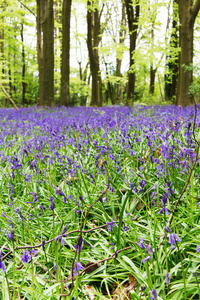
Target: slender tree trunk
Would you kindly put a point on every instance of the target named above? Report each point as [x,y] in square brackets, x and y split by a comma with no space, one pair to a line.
[93,40]
[133,12]
[24,102]
[187,16]
[57,39]
[10,74]
[122,33]
[4,102]
[175,39]
[152,79]
[65,64]
[45,44]
[152,69]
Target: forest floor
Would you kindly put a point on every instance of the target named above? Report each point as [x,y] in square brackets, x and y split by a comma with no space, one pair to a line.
[100,203]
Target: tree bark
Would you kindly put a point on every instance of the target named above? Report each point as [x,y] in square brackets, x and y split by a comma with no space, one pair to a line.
[152,79]
[45,45]
[65,63]
[122,34]
[93,40]
[24,101]
[187,16]
[133,13]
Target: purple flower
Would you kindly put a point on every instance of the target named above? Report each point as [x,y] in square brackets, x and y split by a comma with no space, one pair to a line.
[55,267]
[113,245]
[26,256]
[52,206]
[154,294]
[195,275]
[153,195]
[78,267]
[150,250]
[141,245]
[125,228]
[18,211]
[198,249]
[167,229]
[3,214]
[111,225]
[34,252]
[2,266]
[172,238]
[147,258]
[167,278]
[11,235]
[35,198]
[79,244]
[164,209]
[59,238]
[64,229]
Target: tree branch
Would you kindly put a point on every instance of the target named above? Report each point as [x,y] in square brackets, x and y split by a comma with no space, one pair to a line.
[9,97]
[194,11]
[27,8]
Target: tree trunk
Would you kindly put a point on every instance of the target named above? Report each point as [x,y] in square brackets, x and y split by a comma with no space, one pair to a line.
[122,34]
[65,64]
[187,16]
[10,75]
[133,12]
[93,39]
[4,101]
[24,102]
[176,61]
[45,44]
[152,79]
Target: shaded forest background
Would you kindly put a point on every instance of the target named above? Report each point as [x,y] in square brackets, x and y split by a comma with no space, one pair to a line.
[137,51]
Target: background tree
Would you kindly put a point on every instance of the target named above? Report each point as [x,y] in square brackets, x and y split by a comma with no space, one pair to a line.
[45,44]
[93,40]
[133,13]
[172,60]
[187,15]
[65,63]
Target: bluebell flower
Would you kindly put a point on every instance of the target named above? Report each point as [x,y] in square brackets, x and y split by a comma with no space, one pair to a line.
[11,235]
[26,256]
[78,267]
[35,198]
[167,279]
[18,211]
[79,244]
[141,245]
[111,225]
[113,245]
[2,266]
[154,294]
[172,238]
[52,206]
[150,250]
[198,249]
[35,252]
[125,228]
[146,258]
[167,229]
